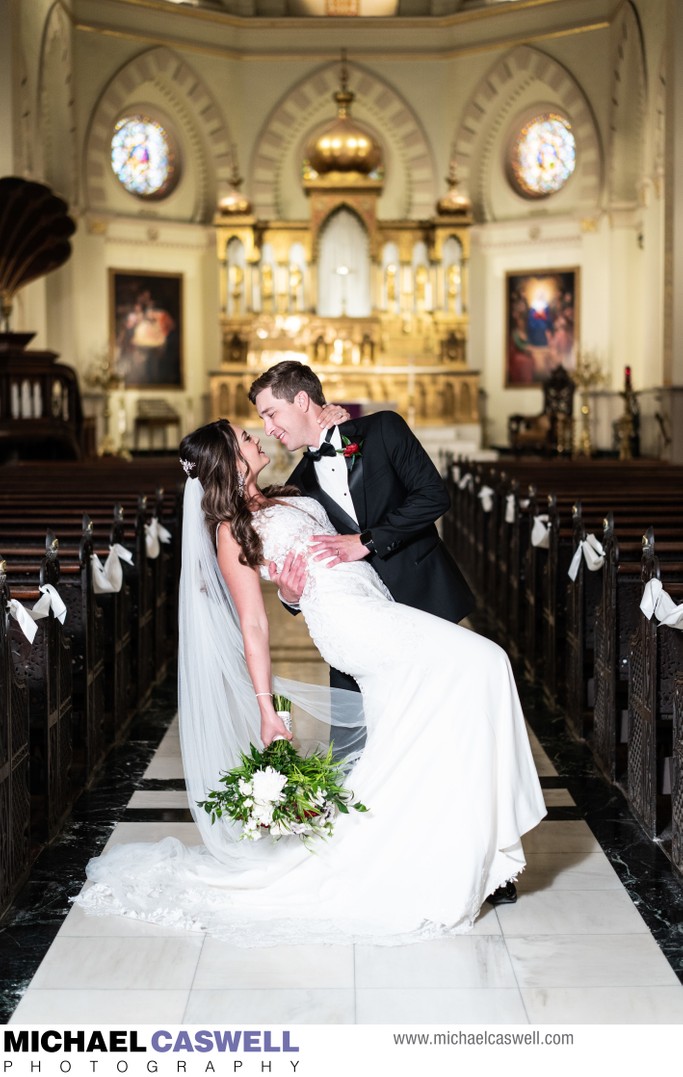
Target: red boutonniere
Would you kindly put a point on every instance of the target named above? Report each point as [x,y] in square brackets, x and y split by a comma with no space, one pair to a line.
[350,450]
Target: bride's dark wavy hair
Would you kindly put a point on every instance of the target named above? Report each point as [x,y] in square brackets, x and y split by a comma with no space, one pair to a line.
[213,451]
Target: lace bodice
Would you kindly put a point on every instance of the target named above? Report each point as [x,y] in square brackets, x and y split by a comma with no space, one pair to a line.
[331,596]
[289,525]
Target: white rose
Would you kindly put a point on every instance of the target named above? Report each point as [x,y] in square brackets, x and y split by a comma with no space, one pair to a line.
[244,787]
[263,814]
[268,785]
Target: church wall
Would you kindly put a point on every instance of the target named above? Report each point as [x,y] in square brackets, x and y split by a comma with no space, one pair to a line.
[507,247]
[25,31]
[248,69]
[129,246]
[8,118]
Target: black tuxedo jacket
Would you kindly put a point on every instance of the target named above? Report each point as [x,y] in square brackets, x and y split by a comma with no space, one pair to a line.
[398,494]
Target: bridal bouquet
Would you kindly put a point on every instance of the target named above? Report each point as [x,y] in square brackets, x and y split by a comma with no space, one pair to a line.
[278,792]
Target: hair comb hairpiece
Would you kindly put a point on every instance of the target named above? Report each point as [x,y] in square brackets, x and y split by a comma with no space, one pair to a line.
[187,466]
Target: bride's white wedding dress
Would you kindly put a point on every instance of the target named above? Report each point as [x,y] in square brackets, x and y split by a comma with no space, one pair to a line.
[447,775]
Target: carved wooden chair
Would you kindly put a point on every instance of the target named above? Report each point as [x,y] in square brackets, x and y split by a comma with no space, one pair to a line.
[550,432]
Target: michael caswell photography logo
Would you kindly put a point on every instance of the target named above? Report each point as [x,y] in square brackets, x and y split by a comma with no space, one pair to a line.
[48,1051]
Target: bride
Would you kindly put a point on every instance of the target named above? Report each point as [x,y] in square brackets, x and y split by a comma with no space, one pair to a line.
[446,770]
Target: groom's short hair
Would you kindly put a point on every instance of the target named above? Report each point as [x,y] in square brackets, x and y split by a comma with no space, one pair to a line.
[286,379]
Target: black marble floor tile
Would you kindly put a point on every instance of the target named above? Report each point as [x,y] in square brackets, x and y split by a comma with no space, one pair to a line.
[157,815]
[559,812]
[162,784]
[550,781]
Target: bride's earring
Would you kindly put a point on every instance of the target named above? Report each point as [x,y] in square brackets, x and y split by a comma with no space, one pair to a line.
[241,480]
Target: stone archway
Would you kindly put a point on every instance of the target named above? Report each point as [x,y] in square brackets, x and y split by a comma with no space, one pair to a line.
[515,77]
[309,104]
[187,99]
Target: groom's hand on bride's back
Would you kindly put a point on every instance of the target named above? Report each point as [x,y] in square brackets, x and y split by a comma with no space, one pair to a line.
[291,578]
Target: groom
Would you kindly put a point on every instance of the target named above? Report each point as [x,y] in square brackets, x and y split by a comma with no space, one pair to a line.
[381,492]
[379,488]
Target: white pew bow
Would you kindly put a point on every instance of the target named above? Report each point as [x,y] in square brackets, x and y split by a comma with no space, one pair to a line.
[510,507]
[26,619]
[486,497]
[26,623]
[657,602]
[108,577]
[540,532]
[593,554]
[155,533]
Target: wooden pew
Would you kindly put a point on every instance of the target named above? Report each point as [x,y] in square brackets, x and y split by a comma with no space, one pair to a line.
[83,626]
[153,588]
[76,681]
[15,798]
[576,605]
[677,776]
[655,661]
[594,624]
[615,617]
[546,644]
[45,667]
[615,622]
[513,572]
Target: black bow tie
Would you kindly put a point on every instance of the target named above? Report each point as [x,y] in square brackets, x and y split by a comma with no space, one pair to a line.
[325,450]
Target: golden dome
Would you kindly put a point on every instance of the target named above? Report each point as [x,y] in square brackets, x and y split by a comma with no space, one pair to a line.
[344,146]
[453,201]
[234,203]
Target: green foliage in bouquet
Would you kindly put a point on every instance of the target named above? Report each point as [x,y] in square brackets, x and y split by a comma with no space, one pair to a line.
[277,791]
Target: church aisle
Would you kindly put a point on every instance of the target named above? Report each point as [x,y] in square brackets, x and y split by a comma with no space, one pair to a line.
[574,949]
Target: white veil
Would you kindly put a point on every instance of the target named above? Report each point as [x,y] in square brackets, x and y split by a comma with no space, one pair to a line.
[218,712]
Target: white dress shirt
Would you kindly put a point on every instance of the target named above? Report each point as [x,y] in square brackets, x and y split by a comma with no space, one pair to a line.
[333,474]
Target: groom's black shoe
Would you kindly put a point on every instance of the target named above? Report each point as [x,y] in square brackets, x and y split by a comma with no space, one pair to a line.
[504,895]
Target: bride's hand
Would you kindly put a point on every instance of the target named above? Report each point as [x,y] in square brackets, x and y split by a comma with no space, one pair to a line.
[332,415]
[272,726]
[291,580]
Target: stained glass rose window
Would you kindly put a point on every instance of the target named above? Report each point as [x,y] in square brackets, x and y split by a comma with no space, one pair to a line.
[143,158]
[542,156]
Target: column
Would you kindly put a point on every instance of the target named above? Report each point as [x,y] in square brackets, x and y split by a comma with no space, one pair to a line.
[10,104]
[673,232]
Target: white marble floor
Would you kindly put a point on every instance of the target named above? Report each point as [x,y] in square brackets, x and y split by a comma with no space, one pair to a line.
[573,949]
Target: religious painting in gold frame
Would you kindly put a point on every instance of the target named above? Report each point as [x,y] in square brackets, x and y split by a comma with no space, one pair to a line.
[542,328]
[146,325]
